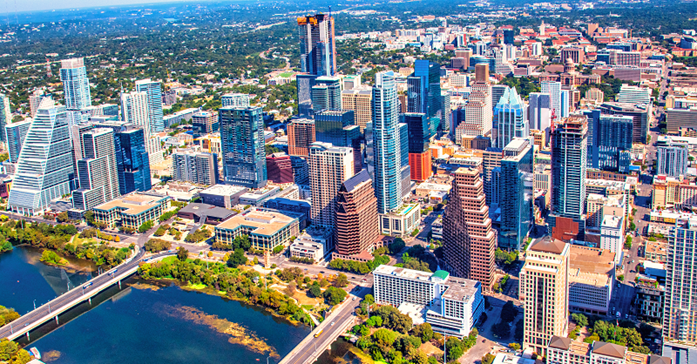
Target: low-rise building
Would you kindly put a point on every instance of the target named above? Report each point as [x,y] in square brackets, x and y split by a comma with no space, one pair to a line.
[425,189]
[267,229]
[656,251]
[451,305]
[591,279]
[437,229]
[257,196]
[226,196]
[649,300]
[314,243]
[562,350]
[401,222]
[132,210]
[210,214]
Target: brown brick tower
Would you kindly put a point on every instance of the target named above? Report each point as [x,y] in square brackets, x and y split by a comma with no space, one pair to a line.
[468,240]
[356,215]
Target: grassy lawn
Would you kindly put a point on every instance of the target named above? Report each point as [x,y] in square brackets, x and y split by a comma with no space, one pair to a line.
[196,286]
[169,260]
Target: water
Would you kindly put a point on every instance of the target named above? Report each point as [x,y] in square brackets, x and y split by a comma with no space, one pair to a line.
[146,323]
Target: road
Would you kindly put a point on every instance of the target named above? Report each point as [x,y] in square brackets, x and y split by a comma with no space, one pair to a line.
[310,348]
[62,302]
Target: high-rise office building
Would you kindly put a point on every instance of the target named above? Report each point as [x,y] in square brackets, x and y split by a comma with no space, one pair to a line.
[497,92]
[279,168]
[672,159]
[301,170]
[76,85]
[641,114]
[387,143]
[544,290]
[133,160]
[35,100]
[359,100]
[540,111]
[235,99]
[569,154]
[330,166]
[515,186]
[405,169]
[97,170]
[204,122]
[326,93]
[559,101]
[491,159]
[356,215]
[424,93]
[481,73]
[242,139]
[301,133]
[154,91]
[510,118]
[5,115]
[14,137]
[330,127]
[418,142]
[468,240]
[609,141]
[317,47]
[135,109]
[478,115]
[195,167]
[680,307]
[43,174]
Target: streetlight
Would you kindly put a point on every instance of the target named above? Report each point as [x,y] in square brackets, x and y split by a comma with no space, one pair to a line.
[35,303]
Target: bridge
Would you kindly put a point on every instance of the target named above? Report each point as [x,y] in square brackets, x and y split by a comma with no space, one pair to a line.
[333,326]
[51,310]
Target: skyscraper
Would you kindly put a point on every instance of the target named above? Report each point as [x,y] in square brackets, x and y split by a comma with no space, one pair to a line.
[359,100]
[135,109]
[326,93]
[680,308]
[609,141]
[76,85]
[560,109]
[510,118]
[43,174]
[330,166]
[418,141]
[330,124]
[133,160]
[491,160]
[405,169]
[569,150]
[515,186]
[235,99]
[317,47]
[424,93]
[242,139]
[154,91]
[387,143]
[14,137]
[279,168]
[544,290]
[301,133]
[672,159]
[540,111]
[5,115]
[356,215]
[481,73]
[195,167]
[97,170]
[468,240]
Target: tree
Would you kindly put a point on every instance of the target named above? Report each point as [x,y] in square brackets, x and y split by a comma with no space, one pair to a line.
[454,348]
[143,228]
[341,280]
[315,290]
[488,358]
[580,319]
[628,241]
[501,329]
[334,295]
[160,231]
[62,217]
[396,246]
[514,346]
[369,299]
[423,331]
[182,254]
[237,258]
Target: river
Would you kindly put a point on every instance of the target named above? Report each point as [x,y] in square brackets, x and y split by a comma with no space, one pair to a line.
[144,322]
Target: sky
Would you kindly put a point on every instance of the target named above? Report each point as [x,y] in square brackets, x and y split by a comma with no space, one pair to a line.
[11,6]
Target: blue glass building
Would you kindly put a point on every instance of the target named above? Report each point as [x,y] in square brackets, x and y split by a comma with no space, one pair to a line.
[387,145]
[154,91]
[515,188]
[242,144]
[510,118]
[609,141]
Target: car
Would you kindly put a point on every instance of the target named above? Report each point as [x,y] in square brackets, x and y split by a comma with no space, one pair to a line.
[354,298]
[332,324]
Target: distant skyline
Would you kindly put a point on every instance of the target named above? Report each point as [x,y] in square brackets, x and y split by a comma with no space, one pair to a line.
[10,7]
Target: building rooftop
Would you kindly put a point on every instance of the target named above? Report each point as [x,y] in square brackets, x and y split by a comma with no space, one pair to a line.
[559,342]
[548,245]
[608,349]
[353,182]
[612,221]
[459,289]
[132,204]
[202,209]
[591,266]
[261,221]
[226,190]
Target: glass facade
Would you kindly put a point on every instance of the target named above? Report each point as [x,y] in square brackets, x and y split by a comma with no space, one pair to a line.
[154,91]
[76,85]
[242,141]
[386,143]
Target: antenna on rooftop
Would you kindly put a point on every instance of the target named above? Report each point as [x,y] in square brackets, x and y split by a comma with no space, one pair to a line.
[330,11]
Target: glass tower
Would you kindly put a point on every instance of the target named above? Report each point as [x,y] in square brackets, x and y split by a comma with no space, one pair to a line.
[242,139]
[387,145]
[154,91]
[515,187]
[76,85]
[45,165]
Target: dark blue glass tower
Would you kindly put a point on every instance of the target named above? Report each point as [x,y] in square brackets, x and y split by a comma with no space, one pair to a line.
[242,142]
